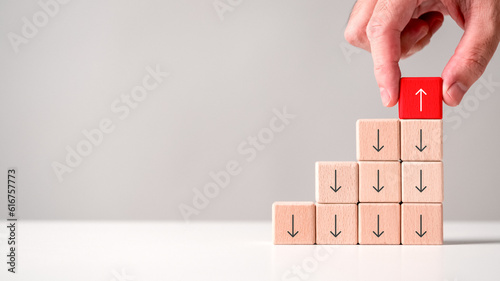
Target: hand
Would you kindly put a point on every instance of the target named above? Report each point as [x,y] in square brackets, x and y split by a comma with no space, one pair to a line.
[395,29]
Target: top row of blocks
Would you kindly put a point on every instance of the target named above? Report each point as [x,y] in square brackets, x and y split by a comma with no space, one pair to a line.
[392,140]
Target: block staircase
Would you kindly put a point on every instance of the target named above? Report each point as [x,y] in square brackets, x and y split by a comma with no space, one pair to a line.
[392,195]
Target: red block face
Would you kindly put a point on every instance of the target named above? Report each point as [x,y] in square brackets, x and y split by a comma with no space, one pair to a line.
[421,98]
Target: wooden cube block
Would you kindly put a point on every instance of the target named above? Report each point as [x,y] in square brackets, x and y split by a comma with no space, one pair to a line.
[422,182]
[379,223]
[336,224]
[422,140]
[421,98]
[422,224]
[379,181]
[337,182]
[377,139]
[294,223]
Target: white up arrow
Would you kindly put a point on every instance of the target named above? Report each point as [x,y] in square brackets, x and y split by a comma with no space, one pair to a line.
[421,92]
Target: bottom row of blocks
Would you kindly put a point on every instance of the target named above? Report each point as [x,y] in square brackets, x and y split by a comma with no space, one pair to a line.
[363,223]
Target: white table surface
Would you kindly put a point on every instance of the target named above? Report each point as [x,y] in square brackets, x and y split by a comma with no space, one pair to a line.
[88,250]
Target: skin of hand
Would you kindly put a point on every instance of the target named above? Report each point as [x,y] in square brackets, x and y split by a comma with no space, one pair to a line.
[395,29]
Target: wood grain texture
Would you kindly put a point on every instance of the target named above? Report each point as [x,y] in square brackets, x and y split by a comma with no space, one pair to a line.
[422,182]
[377,139]
[336,224]
[379,223]
[337,182]
[426,105]
[431,148]
[304,223]
[382,176]
[432,224]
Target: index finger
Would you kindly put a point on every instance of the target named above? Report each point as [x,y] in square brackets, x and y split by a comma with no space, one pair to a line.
[384,32]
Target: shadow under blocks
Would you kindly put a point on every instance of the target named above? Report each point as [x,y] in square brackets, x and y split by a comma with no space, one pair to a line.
[392,194]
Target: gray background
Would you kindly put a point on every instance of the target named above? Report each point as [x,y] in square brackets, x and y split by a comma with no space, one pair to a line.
[227,76]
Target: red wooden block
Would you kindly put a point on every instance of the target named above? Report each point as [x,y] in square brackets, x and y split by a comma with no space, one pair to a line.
[421,98]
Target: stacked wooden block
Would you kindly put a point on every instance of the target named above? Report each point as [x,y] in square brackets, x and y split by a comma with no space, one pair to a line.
[392,195]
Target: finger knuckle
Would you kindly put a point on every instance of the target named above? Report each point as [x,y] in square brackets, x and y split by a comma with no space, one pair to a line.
[380,21]
[375,29]
[381,68]
[353,36]
[378,28]
[476,61]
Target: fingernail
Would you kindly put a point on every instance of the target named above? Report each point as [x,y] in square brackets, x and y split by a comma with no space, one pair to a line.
[386,99]
[456,92]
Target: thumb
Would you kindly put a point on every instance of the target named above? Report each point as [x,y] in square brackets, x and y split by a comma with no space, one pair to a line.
[472,55]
